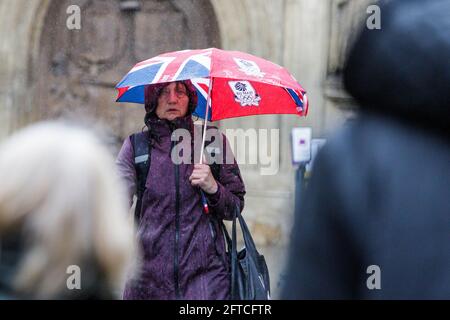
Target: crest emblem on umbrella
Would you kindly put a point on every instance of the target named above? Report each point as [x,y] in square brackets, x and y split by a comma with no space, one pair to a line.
[244,93]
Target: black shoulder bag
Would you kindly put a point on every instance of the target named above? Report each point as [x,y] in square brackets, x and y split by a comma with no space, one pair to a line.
[249,273]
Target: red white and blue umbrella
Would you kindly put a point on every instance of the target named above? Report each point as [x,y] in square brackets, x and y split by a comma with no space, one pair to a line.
[238,84]
[231,83]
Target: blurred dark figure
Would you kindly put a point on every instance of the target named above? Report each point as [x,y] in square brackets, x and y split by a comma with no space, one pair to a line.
[380,191]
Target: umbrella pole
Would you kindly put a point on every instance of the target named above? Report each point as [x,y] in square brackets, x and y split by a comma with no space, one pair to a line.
[208,101]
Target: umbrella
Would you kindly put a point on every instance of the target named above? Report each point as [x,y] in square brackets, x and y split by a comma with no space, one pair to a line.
[229,83]
[242,84]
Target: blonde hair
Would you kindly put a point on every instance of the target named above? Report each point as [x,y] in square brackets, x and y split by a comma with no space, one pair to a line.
[59,184]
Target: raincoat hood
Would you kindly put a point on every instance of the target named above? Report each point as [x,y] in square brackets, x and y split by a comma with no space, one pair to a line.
[404,68]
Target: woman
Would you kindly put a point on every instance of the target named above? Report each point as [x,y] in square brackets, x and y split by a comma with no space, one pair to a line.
[64,233]
[183,258]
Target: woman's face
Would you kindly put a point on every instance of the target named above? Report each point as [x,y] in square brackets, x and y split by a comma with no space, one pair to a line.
[172,101]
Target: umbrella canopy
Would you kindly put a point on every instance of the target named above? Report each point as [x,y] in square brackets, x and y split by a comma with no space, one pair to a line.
[229,83]
[237,84]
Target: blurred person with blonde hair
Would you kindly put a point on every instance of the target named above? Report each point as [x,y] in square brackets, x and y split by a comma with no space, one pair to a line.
[61,208]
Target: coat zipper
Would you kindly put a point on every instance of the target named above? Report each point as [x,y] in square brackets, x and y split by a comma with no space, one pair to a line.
[177,228]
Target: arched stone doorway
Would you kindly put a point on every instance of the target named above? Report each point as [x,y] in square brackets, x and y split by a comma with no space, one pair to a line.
[77,70]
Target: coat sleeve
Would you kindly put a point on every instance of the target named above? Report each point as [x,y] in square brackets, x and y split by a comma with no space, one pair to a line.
[231,189]
[126,170]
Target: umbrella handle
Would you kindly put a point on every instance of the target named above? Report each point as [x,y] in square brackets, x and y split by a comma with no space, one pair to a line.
[204,202]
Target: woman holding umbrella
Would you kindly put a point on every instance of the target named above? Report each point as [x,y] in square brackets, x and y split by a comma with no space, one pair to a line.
[182,256]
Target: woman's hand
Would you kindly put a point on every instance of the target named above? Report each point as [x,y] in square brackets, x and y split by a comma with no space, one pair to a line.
[202,177]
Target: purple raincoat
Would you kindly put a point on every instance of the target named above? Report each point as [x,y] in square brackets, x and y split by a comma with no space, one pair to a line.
[180,258]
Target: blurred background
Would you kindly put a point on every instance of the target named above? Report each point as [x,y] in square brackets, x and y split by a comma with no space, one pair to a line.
[48,71]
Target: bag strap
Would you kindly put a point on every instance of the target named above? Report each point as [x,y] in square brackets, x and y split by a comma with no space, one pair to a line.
[142,158]
[248,239]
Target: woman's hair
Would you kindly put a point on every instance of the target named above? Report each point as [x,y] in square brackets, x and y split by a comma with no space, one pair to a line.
[60,189]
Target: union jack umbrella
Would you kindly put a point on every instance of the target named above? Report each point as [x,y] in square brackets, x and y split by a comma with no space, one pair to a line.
[231,83]
[237,84]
